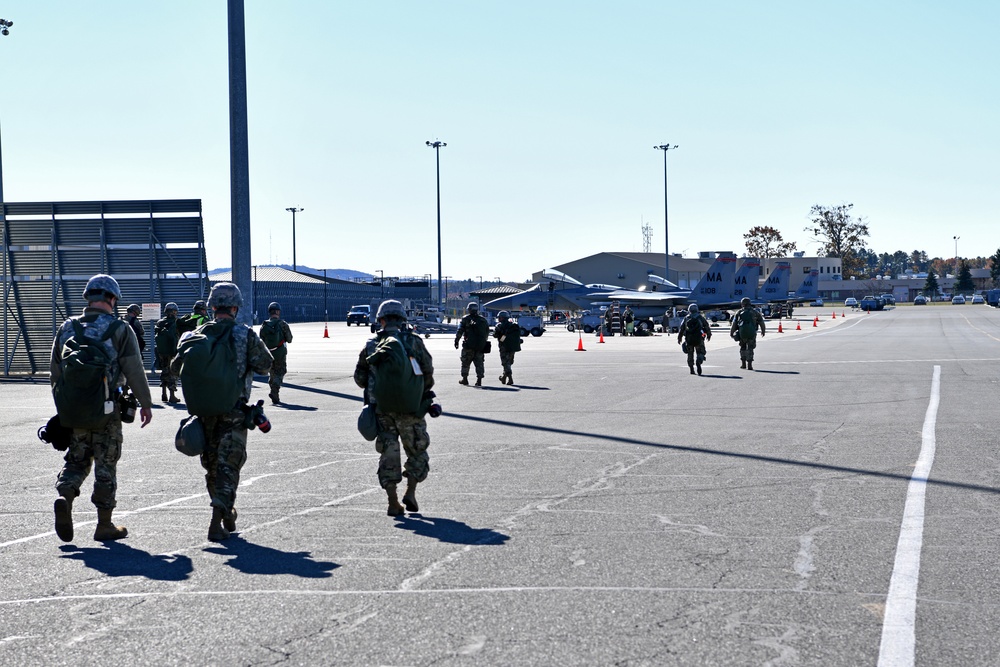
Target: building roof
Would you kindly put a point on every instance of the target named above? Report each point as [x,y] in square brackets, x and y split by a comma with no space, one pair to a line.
[495,291]
[271,274]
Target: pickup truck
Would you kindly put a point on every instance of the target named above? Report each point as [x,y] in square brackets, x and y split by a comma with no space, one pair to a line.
[871,303]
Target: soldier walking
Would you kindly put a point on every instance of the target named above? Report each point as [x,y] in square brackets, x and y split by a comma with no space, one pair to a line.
[95,444]
[194,319]
[276,334]
[373,373]
[226,435]
[474,332]
[744,329]
[132,316]
[165,338]
[508,335]
[694,331]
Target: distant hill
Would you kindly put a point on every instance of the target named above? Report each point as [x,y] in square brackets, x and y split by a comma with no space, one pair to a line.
[341,274]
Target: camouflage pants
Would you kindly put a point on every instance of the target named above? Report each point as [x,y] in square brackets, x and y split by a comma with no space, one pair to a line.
[224,456]
[700,350]
[101,448]
[412,430]
[507,360]
[469,357]
[167,379]
[747,346]
[277,374]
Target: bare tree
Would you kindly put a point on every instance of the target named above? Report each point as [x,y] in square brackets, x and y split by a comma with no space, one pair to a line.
[841,234]
[764,242]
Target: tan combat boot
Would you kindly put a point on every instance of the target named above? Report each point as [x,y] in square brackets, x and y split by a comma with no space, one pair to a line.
[216,531]
[410,497]
[106,530]
[395,509]
[64,517]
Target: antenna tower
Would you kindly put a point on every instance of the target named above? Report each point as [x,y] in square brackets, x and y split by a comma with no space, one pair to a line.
[647,237]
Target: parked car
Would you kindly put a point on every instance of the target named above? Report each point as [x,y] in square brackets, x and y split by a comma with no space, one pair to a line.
[920,300]
[978,298]
[817,302]
[957,300]
[359,315]
[888,299]
[850,302]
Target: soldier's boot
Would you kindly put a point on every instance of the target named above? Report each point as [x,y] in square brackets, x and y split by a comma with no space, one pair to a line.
[743,363]
[64,516]
[503,379]
[479,382]
[510,379]
[229,520]
[699,368]
[173,397]
[163,395]
[274,397]
[395,509]
[749,365]
[106,530]
[410,497]
[216,531]
[464,380]
[691,368]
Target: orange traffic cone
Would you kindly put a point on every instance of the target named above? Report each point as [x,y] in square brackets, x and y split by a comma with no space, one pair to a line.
[816,322]
[779,328]
[601,339]
[326,333]
[842,314]
[835,315]
[579,346]
[798,327]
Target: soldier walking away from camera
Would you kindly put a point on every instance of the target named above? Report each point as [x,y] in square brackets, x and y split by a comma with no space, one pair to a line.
[508,335]
[474,332]
[694,332]
[226,434]
[744,329]
[194,319]
[133,316]
[401,397]
[165,338]
[276,334]
[98,348]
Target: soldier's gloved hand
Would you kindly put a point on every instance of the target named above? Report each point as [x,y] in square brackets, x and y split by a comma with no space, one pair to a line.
[762,334]
[456,344]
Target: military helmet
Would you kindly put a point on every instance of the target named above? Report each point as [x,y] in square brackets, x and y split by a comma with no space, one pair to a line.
[199,305]
[170,306]
[190,438]
[693,309]
[745,302]
[503,315]
[134,309]
[390,308]
[274,305]
[473,307]
[100,287]
[225,295]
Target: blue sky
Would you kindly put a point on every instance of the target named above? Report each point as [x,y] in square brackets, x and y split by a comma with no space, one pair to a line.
[550,111]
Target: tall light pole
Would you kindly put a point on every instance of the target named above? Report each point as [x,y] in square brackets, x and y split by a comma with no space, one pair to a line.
[294,210]
[956,248]
[666,226]
[437,146]
[4,25]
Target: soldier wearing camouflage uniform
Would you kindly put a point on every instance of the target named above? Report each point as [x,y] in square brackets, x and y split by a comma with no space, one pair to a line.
[508,335]
[744,329]
[132,317]
[226,435]
[166,330]
[194,319]
[694,331]
[276,332]
[99,448]
[474,332]
[393,427]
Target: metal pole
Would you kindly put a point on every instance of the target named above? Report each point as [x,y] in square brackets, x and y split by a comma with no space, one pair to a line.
[239,157]
[437,145]
[294,209]
[666,223]
[4,24]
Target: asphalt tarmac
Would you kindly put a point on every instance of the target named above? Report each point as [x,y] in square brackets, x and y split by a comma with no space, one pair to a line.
[837,506]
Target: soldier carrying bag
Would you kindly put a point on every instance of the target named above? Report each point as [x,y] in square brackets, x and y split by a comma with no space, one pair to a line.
[82,392]
[399,382]
[209,378]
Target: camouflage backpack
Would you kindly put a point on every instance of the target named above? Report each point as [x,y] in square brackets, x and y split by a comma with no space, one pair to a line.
[165,337]
[398,388]
[210,380]
[693,329]
[273,337]
[746,323]
[83,390]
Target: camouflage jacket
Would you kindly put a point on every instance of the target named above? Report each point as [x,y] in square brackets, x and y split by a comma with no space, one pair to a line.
[127,367]
[473,331]
[366,380]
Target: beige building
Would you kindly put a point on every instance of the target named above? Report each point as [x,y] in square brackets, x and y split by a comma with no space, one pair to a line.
[631,270]
[829,268]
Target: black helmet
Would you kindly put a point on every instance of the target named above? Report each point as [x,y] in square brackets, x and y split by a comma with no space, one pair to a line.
[503,315]
[170,306]
[274,305]
[190,438]
[693,309]
[100,287]
[199,305]
[134,309]
[745,302]
[473,307]
[225,295]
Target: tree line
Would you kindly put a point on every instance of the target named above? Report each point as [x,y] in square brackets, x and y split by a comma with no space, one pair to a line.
[842,234]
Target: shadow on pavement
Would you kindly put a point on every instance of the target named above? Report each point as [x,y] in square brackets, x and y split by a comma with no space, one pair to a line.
[449,530]
[250,558]
[292,407]
[528,386]
[777,372]
[117,559]
[722,377]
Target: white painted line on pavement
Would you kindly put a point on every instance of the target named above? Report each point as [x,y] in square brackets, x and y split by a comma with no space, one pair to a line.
[899,627]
